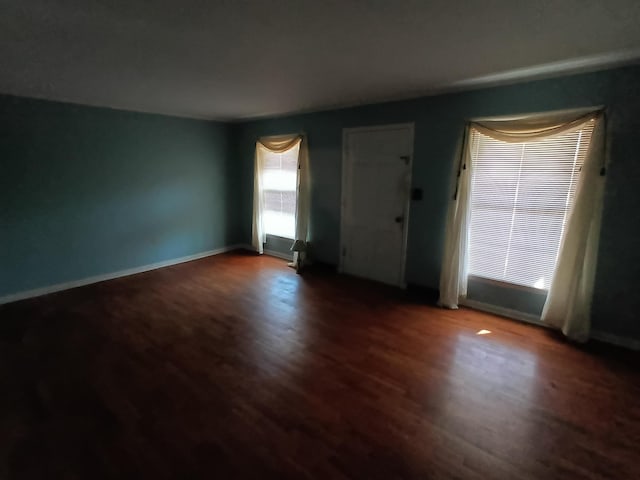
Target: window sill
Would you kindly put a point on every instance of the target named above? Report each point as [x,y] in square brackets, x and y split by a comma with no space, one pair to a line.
[278,237]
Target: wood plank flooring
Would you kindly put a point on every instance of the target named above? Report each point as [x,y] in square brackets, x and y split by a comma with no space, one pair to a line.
[235,367]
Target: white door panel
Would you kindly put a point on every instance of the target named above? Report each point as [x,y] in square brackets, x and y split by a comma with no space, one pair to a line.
[376,183]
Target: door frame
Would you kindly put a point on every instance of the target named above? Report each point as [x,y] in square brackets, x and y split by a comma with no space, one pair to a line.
[410,127]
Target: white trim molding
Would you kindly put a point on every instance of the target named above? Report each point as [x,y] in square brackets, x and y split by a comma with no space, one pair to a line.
[590,63]
[58,287]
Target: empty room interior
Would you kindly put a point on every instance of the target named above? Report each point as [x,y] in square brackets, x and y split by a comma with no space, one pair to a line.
[320,239]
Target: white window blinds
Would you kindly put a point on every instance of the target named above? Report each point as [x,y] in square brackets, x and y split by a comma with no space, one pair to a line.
[279,185]
[521,195]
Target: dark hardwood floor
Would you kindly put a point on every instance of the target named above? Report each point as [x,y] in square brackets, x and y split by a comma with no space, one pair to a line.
[235,367]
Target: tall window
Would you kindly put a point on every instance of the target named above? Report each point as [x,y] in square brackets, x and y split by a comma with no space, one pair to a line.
[279,186]
[521,194]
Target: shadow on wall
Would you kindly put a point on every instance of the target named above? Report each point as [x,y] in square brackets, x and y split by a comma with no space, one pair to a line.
[89,191]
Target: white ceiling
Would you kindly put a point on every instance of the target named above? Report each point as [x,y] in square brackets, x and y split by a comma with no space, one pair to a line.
[225,59]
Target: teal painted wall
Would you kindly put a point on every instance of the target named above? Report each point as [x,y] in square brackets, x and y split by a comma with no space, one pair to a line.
[87,191]
[439,122]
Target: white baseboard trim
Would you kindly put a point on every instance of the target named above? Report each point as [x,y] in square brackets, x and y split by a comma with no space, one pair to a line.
[605,337]
[630,343]
[37,292]
[284,256]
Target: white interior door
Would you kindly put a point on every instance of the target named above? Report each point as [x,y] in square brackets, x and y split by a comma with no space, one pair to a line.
[375,201]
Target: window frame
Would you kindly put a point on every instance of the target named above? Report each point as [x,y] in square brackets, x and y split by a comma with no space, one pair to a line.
[295,190]
[503,283]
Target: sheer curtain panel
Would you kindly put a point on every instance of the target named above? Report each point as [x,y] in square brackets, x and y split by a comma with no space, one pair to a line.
[453,277]
[568,305]
[281,144]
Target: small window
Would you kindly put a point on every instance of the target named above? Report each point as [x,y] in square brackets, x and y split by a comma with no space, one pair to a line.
[521,194]
[279,186]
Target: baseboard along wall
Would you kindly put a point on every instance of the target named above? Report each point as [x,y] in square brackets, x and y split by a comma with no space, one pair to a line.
[58,287]
[600,336]
[625,342]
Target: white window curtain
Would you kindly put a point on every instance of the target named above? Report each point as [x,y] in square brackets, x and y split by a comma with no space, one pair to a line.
[568,305]
[282,144]
[453,278]
[568,302]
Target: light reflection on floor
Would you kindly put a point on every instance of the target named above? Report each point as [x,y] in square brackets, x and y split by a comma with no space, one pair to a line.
[280,341]
[491,364]
[491,393]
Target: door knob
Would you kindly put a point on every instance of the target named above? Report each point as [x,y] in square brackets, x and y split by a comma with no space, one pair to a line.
[399,219]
